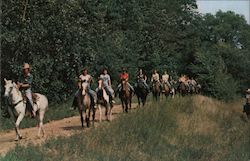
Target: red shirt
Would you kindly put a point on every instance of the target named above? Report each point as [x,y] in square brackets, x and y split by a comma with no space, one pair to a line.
[124,76]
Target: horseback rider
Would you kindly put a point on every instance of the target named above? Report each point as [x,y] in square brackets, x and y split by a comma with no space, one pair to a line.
[25,84]
[107,83]
[141,77]
[183,79]
[85,77]
[165,79]
[124,76]
[155,77]
[193,82]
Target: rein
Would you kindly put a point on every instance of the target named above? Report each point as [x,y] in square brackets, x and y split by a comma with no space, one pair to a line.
[14,105]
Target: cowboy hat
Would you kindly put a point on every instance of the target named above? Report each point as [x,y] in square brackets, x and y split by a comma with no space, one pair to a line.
[26,66]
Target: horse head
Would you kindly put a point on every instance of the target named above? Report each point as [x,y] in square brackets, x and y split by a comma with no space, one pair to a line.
[9,86]
[124,85]
[85,86]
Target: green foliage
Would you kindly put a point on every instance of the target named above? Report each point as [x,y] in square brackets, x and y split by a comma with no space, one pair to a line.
[190,128]
[212,73]
[58,38]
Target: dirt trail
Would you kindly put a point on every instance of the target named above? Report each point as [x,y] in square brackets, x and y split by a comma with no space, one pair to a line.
[65,127]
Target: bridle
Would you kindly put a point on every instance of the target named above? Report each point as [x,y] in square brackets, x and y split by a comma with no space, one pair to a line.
[10,94]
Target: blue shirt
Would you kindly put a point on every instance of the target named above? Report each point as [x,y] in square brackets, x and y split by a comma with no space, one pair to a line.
[26,80]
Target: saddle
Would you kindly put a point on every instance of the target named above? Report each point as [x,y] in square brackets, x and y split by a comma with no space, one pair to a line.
[35,98]
[100,96]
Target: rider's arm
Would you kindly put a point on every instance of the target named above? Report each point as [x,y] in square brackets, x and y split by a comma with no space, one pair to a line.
[26,84]
[109,81]
[158,77]
[90,80]
[145,77]
[79,83]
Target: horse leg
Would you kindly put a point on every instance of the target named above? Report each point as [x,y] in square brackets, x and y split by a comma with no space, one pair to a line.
[107,107]
[122,105]
[110,112]
[41,117]
[18,121]
[93,115]
[130,102]
[139,101]
[100,112]
[82,117]
[126,106]
[87,116]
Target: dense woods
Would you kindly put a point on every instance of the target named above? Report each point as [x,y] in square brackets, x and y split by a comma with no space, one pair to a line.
[59,37]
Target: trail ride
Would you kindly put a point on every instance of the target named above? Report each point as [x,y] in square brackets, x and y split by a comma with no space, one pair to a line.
[18,108]
[125,80]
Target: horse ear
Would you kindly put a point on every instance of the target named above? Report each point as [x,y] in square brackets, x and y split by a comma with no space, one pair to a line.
[5,80]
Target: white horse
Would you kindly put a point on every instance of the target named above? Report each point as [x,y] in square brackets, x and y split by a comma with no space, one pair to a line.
[103,101]
[18,106]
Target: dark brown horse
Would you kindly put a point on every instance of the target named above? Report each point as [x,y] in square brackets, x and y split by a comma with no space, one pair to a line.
[156,90]
[141,93]
[183,89]
[125,96]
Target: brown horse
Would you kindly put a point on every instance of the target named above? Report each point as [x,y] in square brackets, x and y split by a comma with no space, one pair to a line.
[84,104]
[125,96]
[141,93]
[165,90]
[182,88]
[156,90]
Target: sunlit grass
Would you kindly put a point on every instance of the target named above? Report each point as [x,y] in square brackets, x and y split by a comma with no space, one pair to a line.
[182,129]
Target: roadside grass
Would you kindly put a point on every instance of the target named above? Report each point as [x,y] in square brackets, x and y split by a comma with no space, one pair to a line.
[182,129]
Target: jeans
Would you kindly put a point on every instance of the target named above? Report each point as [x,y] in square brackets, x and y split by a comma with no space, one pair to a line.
[28,94]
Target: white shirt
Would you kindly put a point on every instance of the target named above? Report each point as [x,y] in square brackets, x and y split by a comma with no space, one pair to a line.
[165,78]
[155,77]
[86,78]
[106,79]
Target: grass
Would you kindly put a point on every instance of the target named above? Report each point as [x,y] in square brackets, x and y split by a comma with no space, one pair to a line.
[183,129]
